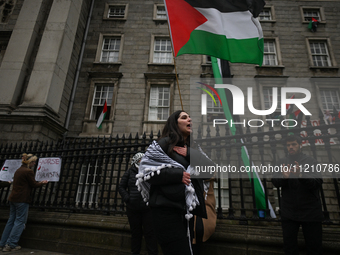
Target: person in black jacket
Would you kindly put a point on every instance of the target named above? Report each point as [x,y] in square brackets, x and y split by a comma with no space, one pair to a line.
[174,195]
[139,214]
[300,203]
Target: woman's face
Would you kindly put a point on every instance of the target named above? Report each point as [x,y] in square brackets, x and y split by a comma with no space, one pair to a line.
[184,124]
[31,164]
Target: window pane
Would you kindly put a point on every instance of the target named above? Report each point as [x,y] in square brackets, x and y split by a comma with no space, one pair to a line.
[330,98]
[212,107]
[310,13]
[110,50]
[265,14]
[268,98]
[101,93]
[159,104]
[320,54]
[269,56]
[162,51]
[116,12]
[161,13]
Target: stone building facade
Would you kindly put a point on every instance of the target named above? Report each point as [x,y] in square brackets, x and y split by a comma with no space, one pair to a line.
[54,79]
[60,61]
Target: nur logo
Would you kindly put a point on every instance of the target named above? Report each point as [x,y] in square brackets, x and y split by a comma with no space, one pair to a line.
[238,99]
[204,97]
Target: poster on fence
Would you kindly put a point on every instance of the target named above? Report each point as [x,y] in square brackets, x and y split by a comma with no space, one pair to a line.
[317,132]
[48,169]
[8,169]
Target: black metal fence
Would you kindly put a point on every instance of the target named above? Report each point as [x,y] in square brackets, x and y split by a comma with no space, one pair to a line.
[92,167]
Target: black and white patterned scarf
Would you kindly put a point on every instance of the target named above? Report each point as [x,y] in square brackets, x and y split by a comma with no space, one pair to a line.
[154,160]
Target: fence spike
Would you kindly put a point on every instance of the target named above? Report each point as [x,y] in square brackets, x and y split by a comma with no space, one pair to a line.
[151,136]
[208,132]
[199,132]
[217,131]
[321,117]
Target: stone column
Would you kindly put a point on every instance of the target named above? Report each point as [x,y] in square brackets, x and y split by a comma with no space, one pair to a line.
[17,55]
[46,85]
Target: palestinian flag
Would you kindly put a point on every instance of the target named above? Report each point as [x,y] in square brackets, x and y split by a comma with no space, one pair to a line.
[289,107]
[223,29]
[336,113]
[260,197]
[313,24]
[297,115]
[102,116]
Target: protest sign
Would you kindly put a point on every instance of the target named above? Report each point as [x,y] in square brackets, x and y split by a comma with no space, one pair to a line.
[8,169]
[48,169]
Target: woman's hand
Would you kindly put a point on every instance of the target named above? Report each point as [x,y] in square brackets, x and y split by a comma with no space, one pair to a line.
[181,150]
[186,178]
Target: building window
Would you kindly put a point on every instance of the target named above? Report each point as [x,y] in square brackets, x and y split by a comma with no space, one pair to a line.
[162,51]
[214,111]
[160,12]
[212,107]
[270,55]
[6,9]
[330,99]
[110,49]
[101,93]
[118,12]
[308,14]
[159,103]
[268,98]
[268,101]
[224,192]
[319,53]
[266,14]
[87,184]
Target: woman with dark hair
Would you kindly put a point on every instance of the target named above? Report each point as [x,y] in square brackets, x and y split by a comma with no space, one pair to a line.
[166,182]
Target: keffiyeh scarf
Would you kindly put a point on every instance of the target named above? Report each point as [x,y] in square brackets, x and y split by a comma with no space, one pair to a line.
[154,160]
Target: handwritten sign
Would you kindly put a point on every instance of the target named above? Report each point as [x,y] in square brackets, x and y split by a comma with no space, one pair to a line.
[48,169]
[8,169]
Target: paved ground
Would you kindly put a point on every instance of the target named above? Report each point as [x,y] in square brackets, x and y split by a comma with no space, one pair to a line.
[32,251]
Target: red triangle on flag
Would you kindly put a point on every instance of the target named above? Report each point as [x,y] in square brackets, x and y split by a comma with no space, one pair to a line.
[105,107]
[288,105]
[314,20]
[296,113]
[183,19]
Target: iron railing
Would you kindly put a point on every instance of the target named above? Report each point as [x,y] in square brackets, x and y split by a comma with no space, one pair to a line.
[92,167]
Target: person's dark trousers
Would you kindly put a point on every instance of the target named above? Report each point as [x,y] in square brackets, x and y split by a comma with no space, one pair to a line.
[199,232]
[171,230]
[141,223]
[312,232]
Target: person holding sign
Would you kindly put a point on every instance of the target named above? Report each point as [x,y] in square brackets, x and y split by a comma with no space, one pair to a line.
[19,199]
